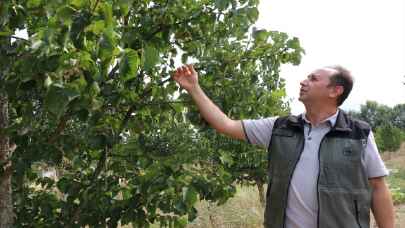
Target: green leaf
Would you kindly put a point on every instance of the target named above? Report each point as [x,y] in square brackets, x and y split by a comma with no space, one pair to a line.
[108,14]
[97,141]
[129,64]
[58,98]
[94,89]
[63,184]
[190,196]
[85,60]
[192,214]
[151,57]
[253,14]
[126,193]
[107,45]
[78,3]
[80,21]
[222,4]
[79,84]
[96,103]
[226,158]
[294,43]
[260,35]
[178,107]
[125,6]
[6,33]
[97,27]
[180,223]
[65,14]
[47,82]
[33,3]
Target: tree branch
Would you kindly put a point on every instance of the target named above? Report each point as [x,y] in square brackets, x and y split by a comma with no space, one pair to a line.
[61,127]
[14,37]
[100,165]
[167,102]
[19,38]
[95,6]
[113,70]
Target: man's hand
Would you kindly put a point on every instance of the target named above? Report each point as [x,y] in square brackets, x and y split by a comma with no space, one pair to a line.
[186,77]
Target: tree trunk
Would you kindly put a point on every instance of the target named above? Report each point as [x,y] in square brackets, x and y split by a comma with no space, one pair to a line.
[6,205]
[260,187]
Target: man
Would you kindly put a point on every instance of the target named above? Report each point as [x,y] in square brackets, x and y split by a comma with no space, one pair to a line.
[325,170]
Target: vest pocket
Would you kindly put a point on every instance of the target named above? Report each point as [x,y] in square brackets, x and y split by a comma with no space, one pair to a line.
[283,132]
[340,208]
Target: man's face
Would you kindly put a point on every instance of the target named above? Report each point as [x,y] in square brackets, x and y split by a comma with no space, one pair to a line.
[316,86]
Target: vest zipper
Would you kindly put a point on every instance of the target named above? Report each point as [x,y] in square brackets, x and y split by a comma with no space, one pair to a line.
[356,208]
[317,180]
[292,173]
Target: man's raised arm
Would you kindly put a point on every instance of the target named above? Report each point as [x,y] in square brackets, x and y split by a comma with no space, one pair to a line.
[187,78]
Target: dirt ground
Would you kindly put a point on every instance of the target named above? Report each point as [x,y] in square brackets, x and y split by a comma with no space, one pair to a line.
[396,159]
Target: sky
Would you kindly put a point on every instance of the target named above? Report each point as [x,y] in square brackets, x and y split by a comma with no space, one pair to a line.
[365,36]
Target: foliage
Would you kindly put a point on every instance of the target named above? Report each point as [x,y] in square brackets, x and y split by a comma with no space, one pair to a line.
[246,164]
[398,196]
[387,123]
[374,114]
[398,116]
[90,94]
[396,184]
[378,115]
[388,138]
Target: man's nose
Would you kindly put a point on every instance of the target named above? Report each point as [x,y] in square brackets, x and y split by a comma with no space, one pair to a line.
[304,82]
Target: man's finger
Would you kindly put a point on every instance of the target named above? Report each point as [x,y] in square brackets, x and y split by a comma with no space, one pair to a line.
[191,67]
[188,67]
[184,69]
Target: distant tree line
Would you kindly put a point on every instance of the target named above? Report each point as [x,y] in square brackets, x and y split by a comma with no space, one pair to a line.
[388,124]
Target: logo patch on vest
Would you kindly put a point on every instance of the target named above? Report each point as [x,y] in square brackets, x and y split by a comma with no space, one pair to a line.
[347,151]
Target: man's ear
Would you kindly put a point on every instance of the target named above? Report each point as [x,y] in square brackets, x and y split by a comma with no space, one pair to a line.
[337,91]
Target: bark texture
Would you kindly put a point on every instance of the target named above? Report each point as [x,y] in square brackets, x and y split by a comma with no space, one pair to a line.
[6,204]
[260,188]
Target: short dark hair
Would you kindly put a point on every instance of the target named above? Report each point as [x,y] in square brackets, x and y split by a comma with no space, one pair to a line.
[344,78]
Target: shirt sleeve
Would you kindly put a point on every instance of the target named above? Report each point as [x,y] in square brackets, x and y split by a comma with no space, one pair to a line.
[375,166]
[259,131]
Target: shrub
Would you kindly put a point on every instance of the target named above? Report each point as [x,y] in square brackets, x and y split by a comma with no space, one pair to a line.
[388,138]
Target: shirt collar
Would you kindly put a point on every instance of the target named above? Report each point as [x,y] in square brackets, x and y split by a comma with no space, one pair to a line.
[331,119]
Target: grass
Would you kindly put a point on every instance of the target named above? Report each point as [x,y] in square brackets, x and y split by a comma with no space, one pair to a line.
[395,161]
[243,210]
[396,182]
